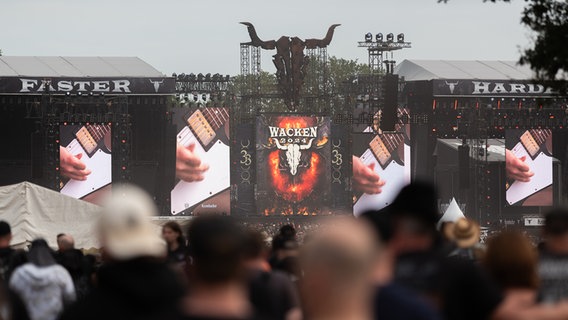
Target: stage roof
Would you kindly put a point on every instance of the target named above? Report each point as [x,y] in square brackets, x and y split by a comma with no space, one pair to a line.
[108,67]
[415,70]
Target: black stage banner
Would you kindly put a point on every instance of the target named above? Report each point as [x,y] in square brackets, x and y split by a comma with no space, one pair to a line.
[111,86]
[492,88]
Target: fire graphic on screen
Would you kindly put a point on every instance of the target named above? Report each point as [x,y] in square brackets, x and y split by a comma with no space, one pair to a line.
[301,186]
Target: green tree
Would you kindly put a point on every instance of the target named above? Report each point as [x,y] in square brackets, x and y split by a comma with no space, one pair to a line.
[336,72]
[548,56]
[341,70]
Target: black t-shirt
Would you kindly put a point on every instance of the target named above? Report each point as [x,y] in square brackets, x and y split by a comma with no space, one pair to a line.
[553,273]
[462,288]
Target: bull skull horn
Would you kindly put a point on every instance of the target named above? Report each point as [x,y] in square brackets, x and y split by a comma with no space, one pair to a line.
[281,147]
[255,40]
[307,146]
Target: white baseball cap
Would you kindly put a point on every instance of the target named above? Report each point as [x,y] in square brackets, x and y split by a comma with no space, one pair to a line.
[125,228]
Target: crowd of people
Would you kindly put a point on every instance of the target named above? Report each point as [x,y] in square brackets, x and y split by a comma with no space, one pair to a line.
[394,263]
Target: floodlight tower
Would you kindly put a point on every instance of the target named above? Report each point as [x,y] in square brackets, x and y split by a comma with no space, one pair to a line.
[378,46]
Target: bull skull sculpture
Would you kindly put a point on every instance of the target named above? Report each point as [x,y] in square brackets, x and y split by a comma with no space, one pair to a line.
[289,60]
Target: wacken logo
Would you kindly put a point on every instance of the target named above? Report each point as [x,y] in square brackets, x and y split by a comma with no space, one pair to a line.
[115,86]
[293,141]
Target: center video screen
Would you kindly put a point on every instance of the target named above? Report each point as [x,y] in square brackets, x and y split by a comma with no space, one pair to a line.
[293,165]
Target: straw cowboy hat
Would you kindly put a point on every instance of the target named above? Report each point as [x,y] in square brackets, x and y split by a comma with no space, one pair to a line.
[464,232]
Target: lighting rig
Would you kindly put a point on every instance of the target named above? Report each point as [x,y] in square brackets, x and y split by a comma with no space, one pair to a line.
[453,118]
[201,89]
[378,46]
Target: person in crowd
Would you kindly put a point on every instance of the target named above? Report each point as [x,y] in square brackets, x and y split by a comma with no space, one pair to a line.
[45,287]
[392,301]
[337,265]
[68,256]
[272,293]
[446,231]
[177,251]
[73,260]
[458,288]
[512,262]
[58,241]
[465,234]
[134,282]
[217,275]
[553,258]
[285,252]
[10,258]
[65,242]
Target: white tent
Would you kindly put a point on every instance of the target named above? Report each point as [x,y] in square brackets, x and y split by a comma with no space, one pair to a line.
[452,214]
[34,211]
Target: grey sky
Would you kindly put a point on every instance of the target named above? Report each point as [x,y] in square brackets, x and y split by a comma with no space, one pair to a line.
[204,36]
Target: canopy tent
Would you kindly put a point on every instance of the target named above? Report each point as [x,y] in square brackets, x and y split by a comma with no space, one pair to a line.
[23,75]
[34,211]
[417,70]
[452,214]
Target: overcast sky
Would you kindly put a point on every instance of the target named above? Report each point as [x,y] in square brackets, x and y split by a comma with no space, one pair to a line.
[204,36]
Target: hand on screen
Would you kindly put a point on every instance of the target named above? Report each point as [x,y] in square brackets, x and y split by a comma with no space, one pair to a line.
[516,168]
[365,178]
[71,166]
[188,164]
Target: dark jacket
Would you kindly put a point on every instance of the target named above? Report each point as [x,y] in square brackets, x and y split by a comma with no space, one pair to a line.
[136,289]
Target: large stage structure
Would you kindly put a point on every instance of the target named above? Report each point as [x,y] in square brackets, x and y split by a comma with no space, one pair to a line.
[302,90]
[109,112]
[467,110]
[284,146]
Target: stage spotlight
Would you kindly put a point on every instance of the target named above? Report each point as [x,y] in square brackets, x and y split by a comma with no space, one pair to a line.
[368,37]
[67,93]
[390,37]
[379,37]
[79,93]
[400,37]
